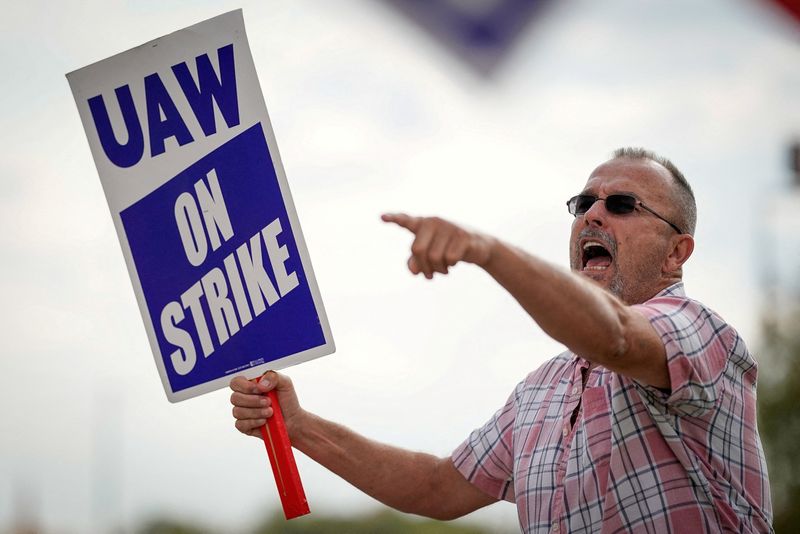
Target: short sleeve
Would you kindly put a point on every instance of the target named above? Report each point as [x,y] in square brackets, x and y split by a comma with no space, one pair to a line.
[697,343]
[486,457]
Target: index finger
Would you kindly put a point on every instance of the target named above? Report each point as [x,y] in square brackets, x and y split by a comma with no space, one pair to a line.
[401,219]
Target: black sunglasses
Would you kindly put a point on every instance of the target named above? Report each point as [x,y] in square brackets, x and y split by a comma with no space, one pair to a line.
[616,204]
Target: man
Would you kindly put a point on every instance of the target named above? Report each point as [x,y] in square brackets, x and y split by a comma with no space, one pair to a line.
[647,423]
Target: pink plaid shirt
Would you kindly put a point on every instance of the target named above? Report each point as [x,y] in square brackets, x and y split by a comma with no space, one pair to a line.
[636,459]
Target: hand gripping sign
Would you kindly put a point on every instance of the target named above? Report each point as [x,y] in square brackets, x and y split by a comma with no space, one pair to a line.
[190,168]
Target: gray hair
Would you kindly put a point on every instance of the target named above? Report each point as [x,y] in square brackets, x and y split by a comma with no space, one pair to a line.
[683,194]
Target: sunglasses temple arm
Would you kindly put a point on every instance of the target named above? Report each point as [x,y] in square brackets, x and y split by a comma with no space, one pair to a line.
[674,227]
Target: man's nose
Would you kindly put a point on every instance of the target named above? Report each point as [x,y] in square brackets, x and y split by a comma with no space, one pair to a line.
[596,214]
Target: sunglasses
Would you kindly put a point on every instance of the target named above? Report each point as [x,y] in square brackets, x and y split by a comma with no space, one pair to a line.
[616,204]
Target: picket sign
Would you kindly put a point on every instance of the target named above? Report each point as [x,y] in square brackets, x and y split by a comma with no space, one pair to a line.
[190,168]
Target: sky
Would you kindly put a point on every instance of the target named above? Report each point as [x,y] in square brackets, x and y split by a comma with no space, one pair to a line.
[371,115]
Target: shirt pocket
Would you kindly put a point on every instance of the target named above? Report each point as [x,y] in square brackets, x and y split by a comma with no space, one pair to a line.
[597,424]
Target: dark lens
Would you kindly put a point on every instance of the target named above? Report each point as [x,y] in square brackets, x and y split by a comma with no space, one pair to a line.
[571,205]
[620,204]
[583,203]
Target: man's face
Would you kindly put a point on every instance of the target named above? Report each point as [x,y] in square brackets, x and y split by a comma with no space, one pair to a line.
[625,253]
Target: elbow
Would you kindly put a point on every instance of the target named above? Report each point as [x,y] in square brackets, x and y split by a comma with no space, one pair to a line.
[432,508]
[622,333]
[436,508]
[436,497]
[451,515]
[612,354]
[619,347]
[442,512]
[617,343]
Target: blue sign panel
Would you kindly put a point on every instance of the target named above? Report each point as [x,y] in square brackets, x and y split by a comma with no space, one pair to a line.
[219,267]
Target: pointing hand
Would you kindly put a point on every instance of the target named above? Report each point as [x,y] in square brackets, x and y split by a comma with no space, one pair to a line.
[440,244]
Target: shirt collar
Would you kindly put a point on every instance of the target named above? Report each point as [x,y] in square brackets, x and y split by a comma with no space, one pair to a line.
[675,290]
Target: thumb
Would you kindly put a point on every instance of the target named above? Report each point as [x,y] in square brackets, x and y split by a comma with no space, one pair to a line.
[272,380]
[268,381]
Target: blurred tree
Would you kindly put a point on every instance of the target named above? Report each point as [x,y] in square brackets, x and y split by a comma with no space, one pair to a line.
[383,522]
[171,526]
[779,416]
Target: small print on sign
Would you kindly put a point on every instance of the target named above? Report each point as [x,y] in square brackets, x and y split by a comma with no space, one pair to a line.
[190,168]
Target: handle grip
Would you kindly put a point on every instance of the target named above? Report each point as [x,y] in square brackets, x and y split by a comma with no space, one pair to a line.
[281,458]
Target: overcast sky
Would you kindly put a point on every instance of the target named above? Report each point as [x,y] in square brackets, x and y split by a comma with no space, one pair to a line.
[371,115]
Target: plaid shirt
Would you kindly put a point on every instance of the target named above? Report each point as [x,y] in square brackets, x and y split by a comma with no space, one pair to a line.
[636,459]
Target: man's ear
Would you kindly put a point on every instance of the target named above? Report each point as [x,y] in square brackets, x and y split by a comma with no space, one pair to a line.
[682,247]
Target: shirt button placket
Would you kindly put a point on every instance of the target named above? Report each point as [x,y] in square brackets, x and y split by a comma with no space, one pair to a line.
[554,528]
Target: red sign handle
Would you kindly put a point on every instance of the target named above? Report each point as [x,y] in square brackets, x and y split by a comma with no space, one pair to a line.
[281,458]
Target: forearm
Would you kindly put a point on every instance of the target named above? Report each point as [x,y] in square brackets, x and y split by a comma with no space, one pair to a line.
[571,309]
[408,481]
[404,480]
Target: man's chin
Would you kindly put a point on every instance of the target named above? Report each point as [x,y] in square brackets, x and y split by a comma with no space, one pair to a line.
[606,279]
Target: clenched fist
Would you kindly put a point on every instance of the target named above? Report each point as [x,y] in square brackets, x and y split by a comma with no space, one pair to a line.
[252,407]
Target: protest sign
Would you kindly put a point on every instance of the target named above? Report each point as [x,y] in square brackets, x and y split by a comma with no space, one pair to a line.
[190,168]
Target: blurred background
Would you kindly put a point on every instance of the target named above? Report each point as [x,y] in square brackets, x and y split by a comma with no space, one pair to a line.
[488,112]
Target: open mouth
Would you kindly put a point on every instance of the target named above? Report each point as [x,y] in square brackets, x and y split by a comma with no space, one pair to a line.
[596,257]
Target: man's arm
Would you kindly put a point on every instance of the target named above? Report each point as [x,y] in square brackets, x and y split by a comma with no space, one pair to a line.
[573,310]
[411,482]
[589,320]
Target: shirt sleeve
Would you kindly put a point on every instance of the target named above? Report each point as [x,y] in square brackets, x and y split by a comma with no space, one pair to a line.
[697,344]
[486,457]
